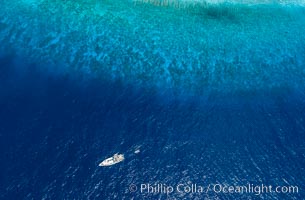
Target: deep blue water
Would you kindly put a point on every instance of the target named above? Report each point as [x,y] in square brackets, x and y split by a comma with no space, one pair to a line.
[55,129]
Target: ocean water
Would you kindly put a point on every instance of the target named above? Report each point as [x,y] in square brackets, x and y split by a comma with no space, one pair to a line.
[210,92]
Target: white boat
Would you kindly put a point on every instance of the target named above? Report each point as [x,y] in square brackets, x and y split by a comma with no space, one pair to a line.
[116,158]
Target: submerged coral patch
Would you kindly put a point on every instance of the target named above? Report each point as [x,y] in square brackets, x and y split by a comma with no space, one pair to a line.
[223,46]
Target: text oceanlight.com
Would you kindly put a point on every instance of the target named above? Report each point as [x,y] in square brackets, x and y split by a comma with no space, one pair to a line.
[214,188]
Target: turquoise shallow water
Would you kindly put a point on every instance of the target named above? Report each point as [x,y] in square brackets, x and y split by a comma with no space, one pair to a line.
[201,47]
